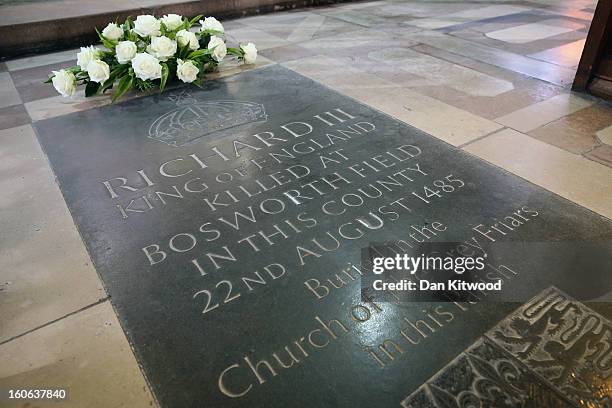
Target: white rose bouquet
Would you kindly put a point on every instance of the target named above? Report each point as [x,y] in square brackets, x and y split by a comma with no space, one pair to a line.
[148,52]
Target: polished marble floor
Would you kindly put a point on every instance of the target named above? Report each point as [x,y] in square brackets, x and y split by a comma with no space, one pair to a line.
[490,77]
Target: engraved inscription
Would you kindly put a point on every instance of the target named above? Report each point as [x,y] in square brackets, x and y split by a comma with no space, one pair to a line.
[484,376]
[565,342]
[552,352]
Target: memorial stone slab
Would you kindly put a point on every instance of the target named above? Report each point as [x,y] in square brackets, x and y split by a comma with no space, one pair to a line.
[227,225]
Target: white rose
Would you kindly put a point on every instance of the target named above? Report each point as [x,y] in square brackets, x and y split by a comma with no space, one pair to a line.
[98,71]
[125,51]
[147,26]
[162,48]
[185,37]
[220,50]
[112,32]
[172,21]
[212,24]
[64,82]
[186,71]
[250,53]
[146,66]
[87,55]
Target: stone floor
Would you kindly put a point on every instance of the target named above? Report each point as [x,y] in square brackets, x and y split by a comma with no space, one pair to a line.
[490,77]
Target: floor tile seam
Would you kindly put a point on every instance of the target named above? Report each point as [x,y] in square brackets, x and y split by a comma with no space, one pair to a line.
[488,48]
[558,195]
[479,138]
[51,322]
[522,75]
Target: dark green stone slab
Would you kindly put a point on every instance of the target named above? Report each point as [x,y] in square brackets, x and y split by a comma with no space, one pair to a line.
[185,352]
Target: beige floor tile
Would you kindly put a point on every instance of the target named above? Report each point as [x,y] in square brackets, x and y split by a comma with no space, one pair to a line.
[541,113]
[457,126]
[360,5]
[605,135]
[481,13]
[511,61]
[59,105]
[567,55]
[563,22]
[423,9]
[279,24]
[40,60]
[231,67]
[306,28]
[338,73]
[45,272]
[576,178]
[8,93]
[573,12]
[423,112]
[487,107]
[601,154]
[521,48]
[357,44]
[432,23]
[298,27]
[440,72]
[259,37]
[576,132]
[87,353]
[472,14]
[527,91]
[527,33]
[357,17]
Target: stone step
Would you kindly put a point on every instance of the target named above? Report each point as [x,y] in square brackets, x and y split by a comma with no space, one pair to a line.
[32,27]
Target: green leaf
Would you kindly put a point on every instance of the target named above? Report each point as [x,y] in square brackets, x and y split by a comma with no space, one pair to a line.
[182,52]
[117,72]
[164,77]
[91,88]
[144,85]
[204,40]
[200,53]
[81,75]
[125,84]
[132,36]
[108,84]
[129,24]
[199,82]
[195,20]
[235,51]
[212,32]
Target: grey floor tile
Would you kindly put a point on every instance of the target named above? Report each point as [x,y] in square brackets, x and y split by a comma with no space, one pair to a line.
[30,81]
[13,116]
[8,94]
